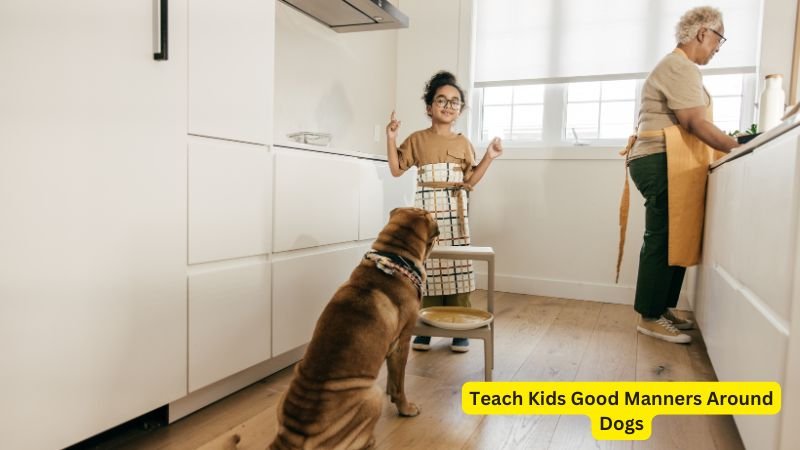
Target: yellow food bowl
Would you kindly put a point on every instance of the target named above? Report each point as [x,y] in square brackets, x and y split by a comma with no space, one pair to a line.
[455,317]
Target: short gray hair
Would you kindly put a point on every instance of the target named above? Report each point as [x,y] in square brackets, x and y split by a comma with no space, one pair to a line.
[694,19]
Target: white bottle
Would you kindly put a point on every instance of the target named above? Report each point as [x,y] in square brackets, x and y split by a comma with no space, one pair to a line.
[770,108]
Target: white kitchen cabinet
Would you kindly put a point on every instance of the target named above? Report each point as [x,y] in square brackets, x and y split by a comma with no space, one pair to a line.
[230,192]
[747,290]
[768,223]
[229,320]
[230,200]
[93,229]
[316,199]
[372,204]
[379,193]
[303,283]
[328,208]
[231,69]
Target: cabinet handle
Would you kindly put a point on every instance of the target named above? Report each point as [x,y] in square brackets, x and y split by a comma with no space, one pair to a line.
[160,29]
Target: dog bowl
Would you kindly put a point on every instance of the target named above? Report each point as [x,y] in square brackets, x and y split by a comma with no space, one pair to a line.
[455,317]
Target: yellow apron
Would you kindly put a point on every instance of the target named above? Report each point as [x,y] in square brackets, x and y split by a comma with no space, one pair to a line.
[688,159]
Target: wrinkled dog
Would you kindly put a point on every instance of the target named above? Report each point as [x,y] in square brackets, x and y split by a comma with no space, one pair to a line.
[332,401]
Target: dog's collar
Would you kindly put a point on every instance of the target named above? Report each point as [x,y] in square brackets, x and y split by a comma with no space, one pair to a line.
[389,263]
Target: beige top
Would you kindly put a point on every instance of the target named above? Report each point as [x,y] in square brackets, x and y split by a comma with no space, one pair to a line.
[426,147]
[675,83]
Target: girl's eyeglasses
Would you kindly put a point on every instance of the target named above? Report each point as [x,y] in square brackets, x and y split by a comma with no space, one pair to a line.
[443,102]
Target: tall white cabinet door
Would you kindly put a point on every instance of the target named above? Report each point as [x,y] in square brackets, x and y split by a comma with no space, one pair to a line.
[231,69]
[92,218]
[229,321]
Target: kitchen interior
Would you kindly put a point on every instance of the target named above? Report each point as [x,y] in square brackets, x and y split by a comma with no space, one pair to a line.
[185,183]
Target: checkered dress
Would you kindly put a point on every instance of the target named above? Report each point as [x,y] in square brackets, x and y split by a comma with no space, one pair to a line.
[445,276]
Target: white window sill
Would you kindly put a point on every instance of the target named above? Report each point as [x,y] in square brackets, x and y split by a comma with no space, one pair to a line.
[565,152]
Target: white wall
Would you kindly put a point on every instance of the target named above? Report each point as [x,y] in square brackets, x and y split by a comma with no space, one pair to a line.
[777,41]
[437,39]
[330,82]
[553,223]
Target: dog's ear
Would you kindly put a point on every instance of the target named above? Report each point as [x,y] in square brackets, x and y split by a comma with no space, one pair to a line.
[431,220]
[433,232]
[394,211]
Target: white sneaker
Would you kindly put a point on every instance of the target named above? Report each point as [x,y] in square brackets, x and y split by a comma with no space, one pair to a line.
[460,345]
[663,329]
[422,343]
[677,322]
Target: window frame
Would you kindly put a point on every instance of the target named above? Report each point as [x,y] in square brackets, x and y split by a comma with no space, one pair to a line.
[566,139]
[555,139]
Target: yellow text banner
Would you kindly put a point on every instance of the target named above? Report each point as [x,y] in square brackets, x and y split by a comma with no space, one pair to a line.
[621,410]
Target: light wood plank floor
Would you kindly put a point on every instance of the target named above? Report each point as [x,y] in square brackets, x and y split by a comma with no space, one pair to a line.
[537,339]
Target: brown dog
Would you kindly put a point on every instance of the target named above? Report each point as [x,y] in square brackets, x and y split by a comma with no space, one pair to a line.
[333,402]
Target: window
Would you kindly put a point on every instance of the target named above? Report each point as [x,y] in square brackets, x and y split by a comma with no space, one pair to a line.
[559,51]
[579,39]
[600,112]
[727,92]
[513,113]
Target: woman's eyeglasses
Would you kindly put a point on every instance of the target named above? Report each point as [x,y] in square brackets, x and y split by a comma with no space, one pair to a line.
[721,37]
[454,103]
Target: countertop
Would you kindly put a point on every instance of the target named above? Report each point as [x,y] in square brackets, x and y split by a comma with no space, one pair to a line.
[765,137]
[329,150]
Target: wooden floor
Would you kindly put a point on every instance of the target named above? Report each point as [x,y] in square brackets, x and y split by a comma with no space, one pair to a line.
[538,339]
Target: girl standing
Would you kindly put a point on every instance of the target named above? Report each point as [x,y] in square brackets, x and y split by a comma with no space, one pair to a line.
[446,172]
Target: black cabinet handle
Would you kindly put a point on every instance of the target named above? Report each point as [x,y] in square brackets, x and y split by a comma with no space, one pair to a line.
[161,20]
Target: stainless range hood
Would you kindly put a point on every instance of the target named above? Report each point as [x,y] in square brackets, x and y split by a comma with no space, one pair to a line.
[345,16]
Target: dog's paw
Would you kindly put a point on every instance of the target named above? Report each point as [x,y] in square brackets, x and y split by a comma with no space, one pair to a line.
[409,410]
[371,444]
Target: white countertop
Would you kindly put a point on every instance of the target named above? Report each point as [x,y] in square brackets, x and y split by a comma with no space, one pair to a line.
[763,138]
[329,150]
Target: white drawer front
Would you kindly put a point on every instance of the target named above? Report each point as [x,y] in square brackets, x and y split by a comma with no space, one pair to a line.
[316,199]
[230,194]
[372,201]
[380,193]
[768,223]
[302,286]
[229,321]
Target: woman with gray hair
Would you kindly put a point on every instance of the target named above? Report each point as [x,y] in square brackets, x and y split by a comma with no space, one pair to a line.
[668,159]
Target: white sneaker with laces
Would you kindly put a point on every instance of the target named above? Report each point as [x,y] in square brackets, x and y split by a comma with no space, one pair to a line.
[663,329]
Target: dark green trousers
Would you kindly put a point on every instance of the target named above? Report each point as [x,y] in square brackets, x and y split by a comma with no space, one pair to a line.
[659,284]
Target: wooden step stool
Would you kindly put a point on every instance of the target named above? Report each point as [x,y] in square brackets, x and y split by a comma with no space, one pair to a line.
[486,332]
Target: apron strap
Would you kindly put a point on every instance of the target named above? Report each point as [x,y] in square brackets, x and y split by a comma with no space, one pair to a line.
[624,205]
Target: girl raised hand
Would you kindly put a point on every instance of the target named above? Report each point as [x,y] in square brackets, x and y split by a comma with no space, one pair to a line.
[495,148]
[391,128]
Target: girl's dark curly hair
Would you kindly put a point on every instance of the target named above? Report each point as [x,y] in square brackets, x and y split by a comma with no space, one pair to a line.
[442,78]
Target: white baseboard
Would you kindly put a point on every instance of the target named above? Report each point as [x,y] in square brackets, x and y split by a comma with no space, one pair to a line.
[598,292]
[209,394]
